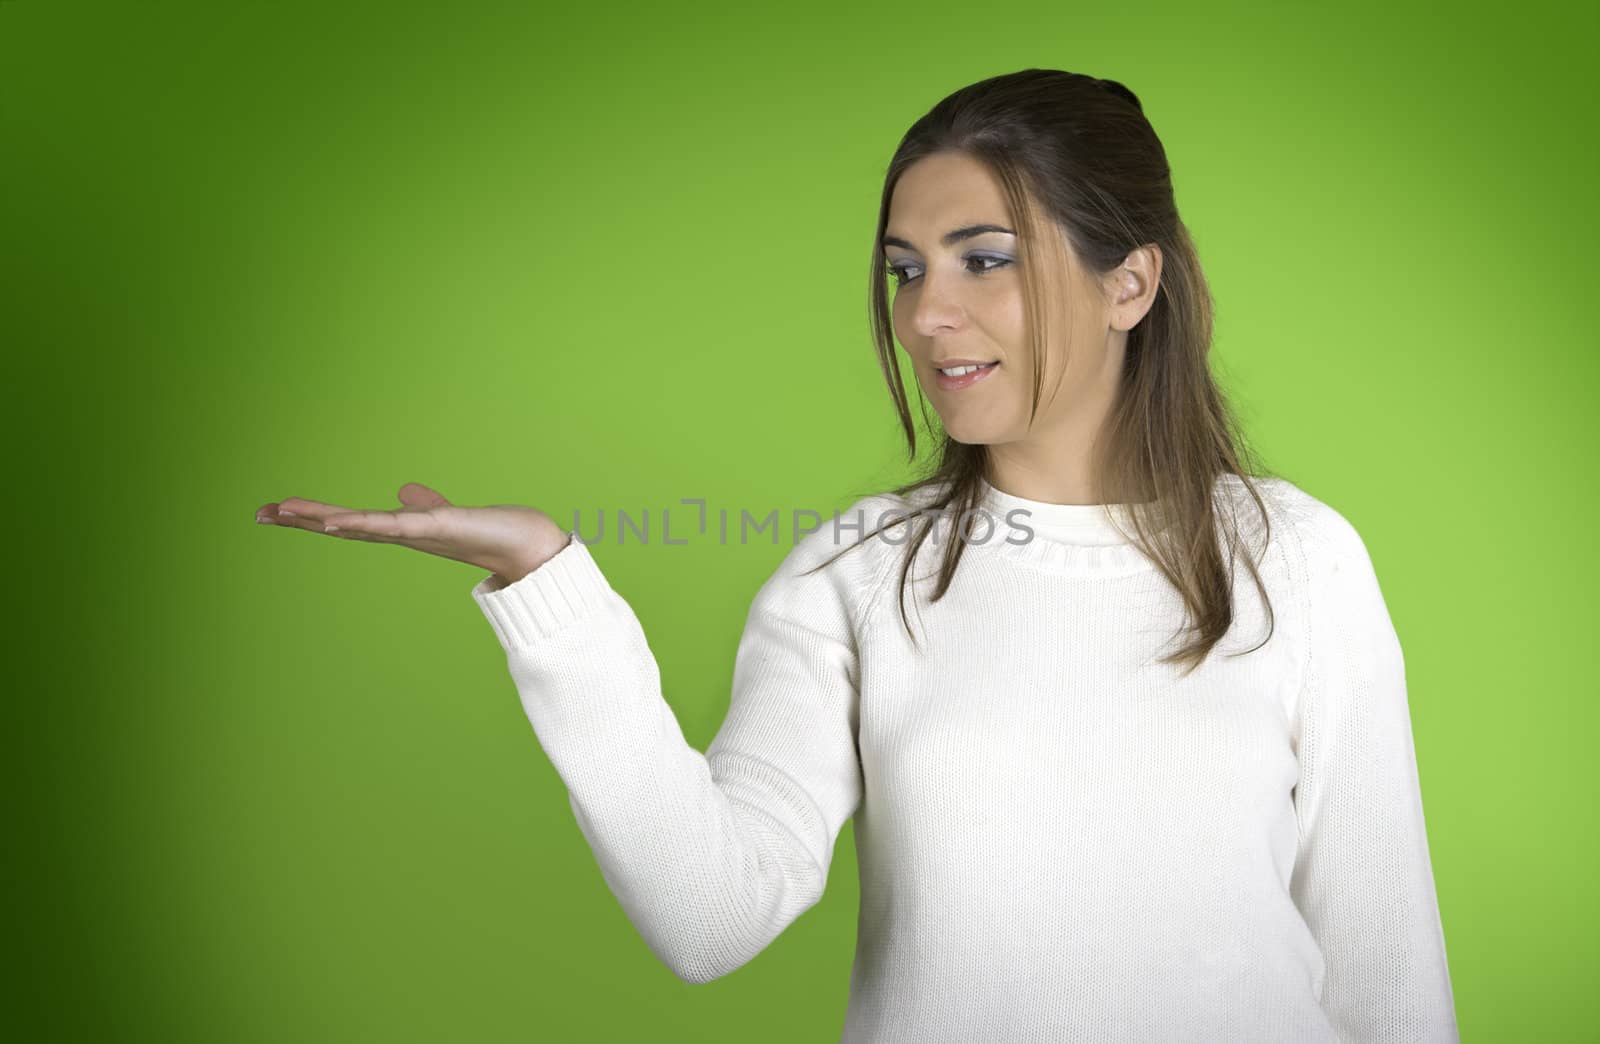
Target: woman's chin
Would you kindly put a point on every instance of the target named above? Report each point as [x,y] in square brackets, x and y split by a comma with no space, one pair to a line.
[968,433]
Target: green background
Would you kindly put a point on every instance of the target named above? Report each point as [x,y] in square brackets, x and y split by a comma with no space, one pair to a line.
[271,785]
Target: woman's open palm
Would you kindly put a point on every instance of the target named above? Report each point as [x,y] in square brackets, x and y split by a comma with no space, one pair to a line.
[509,540]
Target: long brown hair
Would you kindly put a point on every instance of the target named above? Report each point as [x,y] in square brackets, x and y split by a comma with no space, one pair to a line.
[1081,148]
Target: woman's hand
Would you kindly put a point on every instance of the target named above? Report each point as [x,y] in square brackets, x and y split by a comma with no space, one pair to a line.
[508,540]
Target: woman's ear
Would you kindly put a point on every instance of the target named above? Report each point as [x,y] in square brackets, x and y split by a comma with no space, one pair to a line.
[1133,286]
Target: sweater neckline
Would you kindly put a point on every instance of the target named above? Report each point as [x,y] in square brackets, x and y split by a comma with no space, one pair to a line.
[1077,539]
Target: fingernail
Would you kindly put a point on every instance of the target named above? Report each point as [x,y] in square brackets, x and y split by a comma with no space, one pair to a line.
[330,529]
[264,518]
[287,514]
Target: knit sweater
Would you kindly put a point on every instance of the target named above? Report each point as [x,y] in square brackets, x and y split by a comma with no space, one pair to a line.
[1059,838]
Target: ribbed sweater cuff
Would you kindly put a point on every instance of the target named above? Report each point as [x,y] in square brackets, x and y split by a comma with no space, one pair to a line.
[566,588]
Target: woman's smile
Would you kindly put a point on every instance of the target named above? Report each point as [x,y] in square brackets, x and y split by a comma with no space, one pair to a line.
[969,375]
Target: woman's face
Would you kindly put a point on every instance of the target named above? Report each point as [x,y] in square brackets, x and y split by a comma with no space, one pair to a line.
[962,300]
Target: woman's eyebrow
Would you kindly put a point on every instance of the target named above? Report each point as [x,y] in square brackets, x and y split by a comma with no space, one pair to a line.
[948,238]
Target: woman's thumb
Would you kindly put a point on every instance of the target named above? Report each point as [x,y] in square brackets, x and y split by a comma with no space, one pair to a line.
[415,494]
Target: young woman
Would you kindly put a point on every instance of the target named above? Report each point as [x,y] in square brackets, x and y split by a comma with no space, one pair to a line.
[1068,828]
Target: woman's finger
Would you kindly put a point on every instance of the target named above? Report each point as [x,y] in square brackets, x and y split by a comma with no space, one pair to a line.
[299,513]
[415,494]
[386,526]
[300,507]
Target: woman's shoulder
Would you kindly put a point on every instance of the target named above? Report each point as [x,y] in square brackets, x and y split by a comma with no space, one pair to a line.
[839,563]
[1311,529]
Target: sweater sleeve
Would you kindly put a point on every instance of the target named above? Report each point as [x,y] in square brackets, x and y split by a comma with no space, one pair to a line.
[710,855]
[1363,878]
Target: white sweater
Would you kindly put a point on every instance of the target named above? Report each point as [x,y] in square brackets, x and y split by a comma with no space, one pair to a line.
[1059,839]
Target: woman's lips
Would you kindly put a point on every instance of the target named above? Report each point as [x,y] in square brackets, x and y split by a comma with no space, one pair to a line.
[966,380]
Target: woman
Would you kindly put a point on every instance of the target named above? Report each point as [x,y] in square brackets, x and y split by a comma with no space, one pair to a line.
[1067,829]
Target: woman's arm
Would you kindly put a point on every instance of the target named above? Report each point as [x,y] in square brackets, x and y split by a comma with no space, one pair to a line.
[711,855]
[1363,878]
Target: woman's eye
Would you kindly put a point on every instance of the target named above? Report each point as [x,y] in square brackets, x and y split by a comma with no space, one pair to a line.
[901,279]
